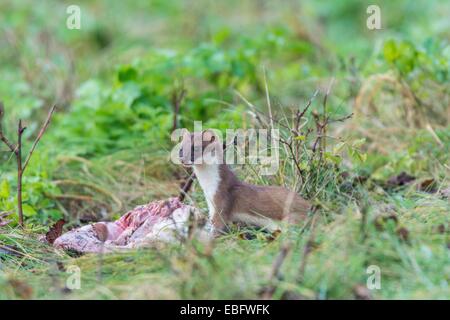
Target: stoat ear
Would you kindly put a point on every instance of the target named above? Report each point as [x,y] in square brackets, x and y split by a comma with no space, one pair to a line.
[209,136]
[186,133]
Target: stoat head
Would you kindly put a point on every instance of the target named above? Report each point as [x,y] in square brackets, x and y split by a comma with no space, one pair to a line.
[199,148]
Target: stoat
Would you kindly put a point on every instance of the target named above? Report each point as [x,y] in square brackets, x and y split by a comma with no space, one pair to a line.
[232,200]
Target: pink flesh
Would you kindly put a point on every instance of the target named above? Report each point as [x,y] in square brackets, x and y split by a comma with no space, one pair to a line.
[131,227]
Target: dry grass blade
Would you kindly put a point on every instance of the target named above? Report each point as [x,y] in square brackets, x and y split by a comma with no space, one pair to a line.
[269,106]
[177,98]
[93,187]
[253,108]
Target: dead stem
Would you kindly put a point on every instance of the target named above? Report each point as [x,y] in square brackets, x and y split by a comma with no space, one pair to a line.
[275,272]
[17,151]
[308,248]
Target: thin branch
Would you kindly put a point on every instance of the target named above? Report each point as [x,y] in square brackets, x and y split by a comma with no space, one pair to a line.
[294,158]
[319,128]
[275,274]
[17,150]
[20,130]
[342,119]
[308,247]
[300,115]
[186,187]
[276,267]
[38,138]
[177,98]
[11,146]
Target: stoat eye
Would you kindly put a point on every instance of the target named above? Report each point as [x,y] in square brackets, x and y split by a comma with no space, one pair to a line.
[180,153]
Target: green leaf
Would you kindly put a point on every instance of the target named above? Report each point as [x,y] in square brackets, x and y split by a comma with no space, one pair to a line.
[127,73]
[333,158]
[28,211]
[390,51]
[338,147]
[54,214]
[358,143]
[4,190]
[363,157]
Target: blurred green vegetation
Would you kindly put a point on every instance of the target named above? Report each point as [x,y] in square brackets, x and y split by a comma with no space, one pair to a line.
[115,81]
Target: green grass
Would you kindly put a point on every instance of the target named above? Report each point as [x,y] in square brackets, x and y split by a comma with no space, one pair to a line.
[343,247]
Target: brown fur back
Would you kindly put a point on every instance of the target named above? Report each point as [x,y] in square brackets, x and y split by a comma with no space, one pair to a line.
[272,202]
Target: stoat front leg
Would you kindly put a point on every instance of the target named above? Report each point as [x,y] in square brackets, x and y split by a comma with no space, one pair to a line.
[218,224]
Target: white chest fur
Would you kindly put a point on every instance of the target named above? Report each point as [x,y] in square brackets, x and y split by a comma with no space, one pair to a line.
[209,178]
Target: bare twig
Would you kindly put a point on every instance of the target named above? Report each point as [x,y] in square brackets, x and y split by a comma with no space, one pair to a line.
[293,155]
[275,271]
[11,146]
[17,151]
[321,127]
[39,136]
[20,130]
[177,98]
[299,115]
[186,187]
[342,119]
[308,248]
